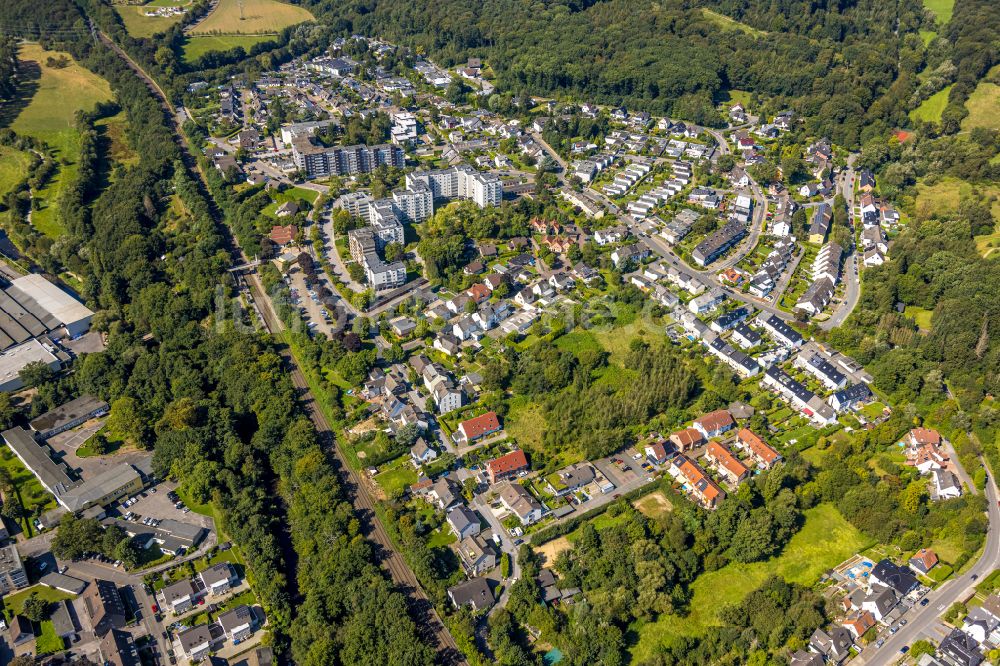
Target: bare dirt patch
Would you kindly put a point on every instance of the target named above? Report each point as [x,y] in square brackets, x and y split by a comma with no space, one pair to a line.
[654,505]
[550,550]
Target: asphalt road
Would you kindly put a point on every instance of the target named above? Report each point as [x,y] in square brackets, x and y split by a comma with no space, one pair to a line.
[922,619]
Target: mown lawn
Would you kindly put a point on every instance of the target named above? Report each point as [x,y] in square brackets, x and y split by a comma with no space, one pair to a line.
[825,540]
[139,25]
[919,315]
[397,475]
[48,642]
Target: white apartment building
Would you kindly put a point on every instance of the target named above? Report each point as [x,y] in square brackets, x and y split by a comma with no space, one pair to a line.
[460,182]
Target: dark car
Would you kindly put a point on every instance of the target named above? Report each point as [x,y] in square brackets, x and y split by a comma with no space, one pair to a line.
[975,576]
[924,602]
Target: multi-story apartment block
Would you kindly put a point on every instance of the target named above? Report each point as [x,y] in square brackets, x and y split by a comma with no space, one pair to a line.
[460,182]
[318,160]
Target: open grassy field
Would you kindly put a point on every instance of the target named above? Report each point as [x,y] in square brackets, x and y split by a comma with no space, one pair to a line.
[931,108]
[12,167]
[726,23]
[139,25]
[49,116]
[942,9]
[291,194]
[196,47]
[258,17]
[919,315]
[944,197]
[824,541]
[984,103]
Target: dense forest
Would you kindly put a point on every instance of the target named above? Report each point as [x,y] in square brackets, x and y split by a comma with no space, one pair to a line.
[8,66]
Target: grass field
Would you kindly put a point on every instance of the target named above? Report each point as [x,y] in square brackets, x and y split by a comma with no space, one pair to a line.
[942,9]
[824,541]
[196,47]
[48,642]
[49,116]
[930,109]
[139,25]
[258,17]
[919,315]
[726,23]
[12,166]
[291,194]
[984,103]
[397,475]
[927,36]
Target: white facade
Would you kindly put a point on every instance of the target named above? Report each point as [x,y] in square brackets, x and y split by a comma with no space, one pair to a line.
[460,182]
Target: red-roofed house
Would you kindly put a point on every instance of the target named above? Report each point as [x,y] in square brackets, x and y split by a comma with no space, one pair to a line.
[656,452]
[762,455]
[726,463]
[714,423]
[506,466]
[706,491]
[687,439]
[283,235]
[923,560]
[924,436]
[479,426]
[479,292]
[859,624]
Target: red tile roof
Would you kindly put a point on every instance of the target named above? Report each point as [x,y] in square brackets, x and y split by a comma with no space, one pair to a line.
[283,235]
[927,558]
[658,449]
[925,436]
[480,425]
[724,458]
[505,464]
[698,480]
[758,447]
[479,292]
[687,437]
[715,420]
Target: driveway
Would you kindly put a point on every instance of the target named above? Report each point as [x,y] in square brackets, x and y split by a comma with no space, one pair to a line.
[66,444]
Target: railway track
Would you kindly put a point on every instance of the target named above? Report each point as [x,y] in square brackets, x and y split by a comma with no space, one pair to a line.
[429,623]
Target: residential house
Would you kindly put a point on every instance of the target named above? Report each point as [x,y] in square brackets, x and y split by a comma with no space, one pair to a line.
[180,596]
[780,331]
[745,336]
[702,488]
[714,423]
[803,658]
[726,464]
[656,452]
[945,485]
[834,645]
[476,554]
[819,225]
[237,624]
[859,624]
[848,398]
[475,593]
[219,578]
[196,642]
[923,560]
[444,493]
[507,466]
[760,453]
[20,630]
[478,427]
[879,602]
[104,606]
[520,502]
[570,479]
[421,453]
[687,439]
[463,521]
[887,573]
[960,649]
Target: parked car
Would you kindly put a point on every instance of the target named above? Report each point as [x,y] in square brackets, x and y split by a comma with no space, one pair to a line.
[924,602]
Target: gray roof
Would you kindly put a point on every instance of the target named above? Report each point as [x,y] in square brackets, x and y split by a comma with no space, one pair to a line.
[62,582]
[461,517]
[194,637]
[36,457]
[62,621]
[67,413]
[475,592]
[235,618]
[223,571]
[179,590]
[105,483]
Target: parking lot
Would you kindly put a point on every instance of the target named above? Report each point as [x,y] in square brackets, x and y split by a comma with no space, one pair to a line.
[315,313]
[158,505]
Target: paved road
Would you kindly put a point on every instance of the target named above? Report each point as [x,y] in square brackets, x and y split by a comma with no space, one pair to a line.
[922,619]
[852,269]
[428,622]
